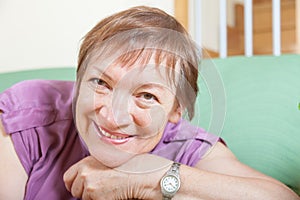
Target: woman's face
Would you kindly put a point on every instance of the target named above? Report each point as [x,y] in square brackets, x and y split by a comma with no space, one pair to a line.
[122,111]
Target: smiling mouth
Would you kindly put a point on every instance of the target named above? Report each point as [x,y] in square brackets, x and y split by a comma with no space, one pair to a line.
[111,136]
[115,138]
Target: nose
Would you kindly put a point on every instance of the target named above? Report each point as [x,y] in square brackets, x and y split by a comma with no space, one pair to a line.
[114,118]
[126,110]
[113,111]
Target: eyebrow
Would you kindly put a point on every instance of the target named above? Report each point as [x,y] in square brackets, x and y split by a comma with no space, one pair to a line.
[148,85]
[103,73]
[154,86]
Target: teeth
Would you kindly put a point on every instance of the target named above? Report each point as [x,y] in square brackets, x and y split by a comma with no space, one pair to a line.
[111,136]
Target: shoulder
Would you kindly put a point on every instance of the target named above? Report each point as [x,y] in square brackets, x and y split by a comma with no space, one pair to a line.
[42,90]
[36,103]
[32,93]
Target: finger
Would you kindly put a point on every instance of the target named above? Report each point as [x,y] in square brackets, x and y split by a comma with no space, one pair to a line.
[86,195]
[69,176]
[77,186]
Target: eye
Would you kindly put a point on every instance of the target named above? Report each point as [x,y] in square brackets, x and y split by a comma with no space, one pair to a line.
[146,100]
[147,97]
[99,84]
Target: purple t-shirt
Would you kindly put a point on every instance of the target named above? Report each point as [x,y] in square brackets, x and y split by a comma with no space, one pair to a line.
[37,114]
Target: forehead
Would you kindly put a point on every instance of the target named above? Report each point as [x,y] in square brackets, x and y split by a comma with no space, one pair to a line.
[137,74]
[143,61]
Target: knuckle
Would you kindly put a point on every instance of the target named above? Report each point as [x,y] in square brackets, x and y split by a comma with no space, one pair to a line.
[83,176]
[91,189]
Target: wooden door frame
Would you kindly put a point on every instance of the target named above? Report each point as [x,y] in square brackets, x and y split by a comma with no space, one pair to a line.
[181,12]
[298,25]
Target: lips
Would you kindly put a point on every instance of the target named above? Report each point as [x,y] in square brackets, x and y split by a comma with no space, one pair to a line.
[112,137]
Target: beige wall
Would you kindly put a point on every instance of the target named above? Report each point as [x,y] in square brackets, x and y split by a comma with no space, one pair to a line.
[230,10]
[47,33]
[209,21]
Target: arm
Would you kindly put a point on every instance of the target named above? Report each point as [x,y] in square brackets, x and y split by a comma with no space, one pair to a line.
[13,177]
[221,176]
[218,176]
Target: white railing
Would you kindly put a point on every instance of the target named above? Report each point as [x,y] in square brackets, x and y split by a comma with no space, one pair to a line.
[223,29]
[248,23]
[276,27]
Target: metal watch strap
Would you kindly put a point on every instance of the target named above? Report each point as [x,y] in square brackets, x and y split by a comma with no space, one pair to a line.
[173,170]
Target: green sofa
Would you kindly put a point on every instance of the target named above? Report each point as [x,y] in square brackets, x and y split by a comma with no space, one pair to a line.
[251,102]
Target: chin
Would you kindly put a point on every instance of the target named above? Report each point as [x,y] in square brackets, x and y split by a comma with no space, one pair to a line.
[112,159]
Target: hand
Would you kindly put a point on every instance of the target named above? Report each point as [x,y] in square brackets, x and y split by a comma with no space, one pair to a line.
[90,179]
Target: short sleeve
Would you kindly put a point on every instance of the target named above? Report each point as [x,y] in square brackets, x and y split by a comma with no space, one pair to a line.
[37,114]
[185,143]
[29,108]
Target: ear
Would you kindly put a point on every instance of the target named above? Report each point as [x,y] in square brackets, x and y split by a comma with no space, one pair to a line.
[175,114]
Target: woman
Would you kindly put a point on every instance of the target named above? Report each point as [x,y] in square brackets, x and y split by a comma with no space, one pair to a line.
[136,78]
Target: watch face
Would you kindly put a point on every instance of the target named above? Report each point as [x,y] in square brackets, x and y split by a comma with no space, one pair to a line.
[170,183]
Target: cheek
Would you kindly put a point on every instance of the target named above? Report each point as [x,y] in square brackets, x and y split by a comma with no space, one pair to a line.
[158,116]
[86,102]
[83,109]
[145,145]
[149,123]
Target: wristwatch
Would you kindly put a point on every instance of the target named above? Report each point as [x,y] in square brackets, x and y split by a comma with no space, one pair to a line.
[170,182]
